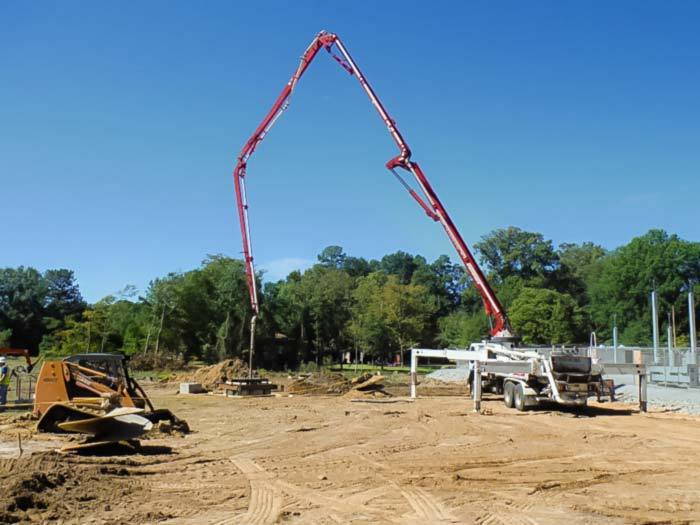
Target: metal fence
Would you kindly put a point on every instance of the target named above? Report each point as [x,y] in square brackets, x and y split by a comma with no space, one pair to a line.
[643,355]
[20,393]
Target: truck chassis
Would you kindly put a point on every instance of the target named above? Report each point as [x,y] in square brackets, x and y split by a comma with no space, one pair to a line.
[529,377]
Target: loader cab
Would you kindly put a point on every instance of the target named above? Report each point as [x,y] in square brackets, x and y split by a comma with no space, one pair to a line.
[113,366]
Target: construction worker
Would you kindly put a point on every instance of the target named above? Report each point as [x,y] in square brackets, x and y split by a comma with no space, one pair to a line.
[4,381]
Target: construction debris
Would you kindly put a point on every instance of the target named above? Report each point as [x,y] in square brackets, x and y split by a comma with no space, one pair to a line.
[211,376]
[368,386]
[251,386]
[319,383]
[365,385]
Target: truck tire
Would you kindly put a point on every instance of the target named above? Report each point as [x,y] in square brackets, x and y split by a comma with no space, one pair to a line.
[508,394]
[519,398]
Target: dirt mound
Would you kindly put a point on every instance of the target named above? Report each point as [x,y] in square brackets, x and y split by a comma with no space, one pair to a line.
[319,383]
[46,487]
[210,376]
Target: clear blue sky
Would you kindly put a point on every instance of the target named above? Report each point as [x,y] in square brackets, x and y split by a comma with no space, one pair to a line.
[120,123]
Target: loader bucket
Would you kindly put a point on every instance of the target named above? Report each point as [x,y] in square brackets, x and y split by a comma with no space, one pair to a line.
[163,414]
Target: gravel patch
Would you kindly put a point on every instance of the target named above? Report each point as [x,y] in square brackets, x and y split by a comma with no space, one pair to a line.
[686,400]
[456,375]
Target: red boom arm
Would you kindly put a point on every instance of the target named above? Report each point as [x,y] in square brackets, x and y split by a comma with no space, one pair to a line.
[433,207]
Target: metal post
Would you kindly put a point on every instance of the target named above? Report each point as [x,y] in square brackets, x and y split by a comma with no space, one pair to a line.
[655,326]
[693,333]
[477,386]
[414,371]
[252,344]
[669,337]
[642,392]
[615,340]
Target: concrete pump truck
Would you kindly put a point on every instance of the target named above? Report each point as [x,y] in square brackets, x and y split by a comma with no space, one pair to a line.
[532,375]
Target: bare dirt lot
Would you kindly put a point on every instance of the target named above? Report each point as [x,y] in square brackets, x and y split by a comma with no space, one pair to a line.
[330,459]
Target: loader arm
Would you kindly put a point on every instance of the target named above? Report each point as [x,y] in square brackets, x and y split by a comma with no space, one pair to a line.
[429,202]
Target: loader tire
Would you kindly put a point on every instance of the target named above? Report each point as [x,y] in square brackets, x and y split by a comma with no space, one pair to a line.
[508,394]
[519,398]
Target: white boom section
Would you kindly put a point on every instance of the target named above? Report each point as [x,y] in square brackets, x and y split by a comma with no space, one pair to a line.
[480,356]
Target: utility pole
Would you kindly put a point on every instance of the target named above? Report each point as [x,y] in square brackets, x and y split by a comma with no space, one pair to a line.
[693,333]
[615,336]
[655,326]
[669,341]
[673,324]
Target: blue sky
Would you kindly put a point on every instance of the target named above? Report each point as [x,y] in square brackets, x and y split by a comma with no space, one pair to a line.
[120,123]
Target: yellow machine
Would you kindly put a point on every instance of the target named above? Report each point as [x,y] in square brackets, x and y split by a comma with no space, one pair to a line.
[84,386]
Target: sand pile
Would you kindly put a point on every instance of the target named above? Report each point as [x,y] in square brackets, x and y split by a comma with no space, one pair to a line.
[210,376]
[319,383]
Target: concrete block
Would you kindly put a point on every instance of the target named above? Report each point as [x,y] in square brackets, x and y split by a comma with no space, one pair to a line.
[191,388]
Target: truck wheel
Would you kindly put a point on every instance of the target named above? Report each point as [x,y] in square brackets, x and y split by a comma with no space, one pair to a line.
[519,397]
[508,394]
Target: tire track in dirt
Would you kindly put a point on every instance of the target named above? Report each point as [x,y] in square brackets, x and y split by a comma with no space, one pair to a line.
[426,506]
[505,517]
[265,499]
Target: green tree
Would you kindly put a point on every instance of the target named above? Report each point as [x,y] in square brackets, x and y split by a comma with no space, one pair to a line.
[542,316]
[332,257]
[626,277]
[581,259]
[460,329]
[22,299]
[63,296]
[401,264]
[368,324]
[444,280]
[511,251]
[5,338]
[389,317]
[327,292]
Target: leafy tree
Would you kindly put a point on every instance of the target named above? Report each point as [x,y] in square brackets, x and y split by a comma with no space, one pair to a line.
[401,264]
[72,339]
[332,257]
[542,316]
[444,280]
[22,298]
[368,324]
[408,309]
[359,267]
[327,292]
[460,329]
[627,276]
[581,259]
[514,252]
[5,337]
[387,316]
[63,296]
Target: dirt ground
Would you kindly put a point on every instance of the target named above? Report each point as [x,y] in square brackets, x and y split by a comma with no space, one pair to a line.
[331,459]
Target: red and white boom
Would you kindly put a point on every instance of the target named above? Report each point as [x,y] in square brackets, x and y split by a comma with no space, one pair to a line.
[433,207]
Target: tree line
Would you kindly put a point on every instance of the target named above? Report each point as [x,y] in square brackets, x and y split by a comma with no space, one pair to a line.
[553,295]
